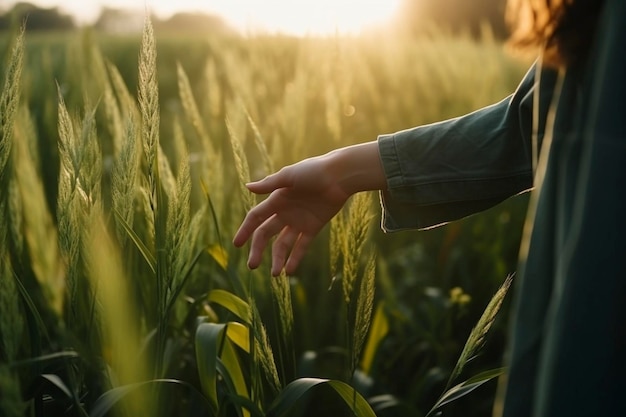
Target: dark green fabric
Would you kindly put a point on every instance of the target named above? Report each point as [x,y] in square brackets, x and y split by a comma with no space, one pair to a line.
[567,353]
[448,170]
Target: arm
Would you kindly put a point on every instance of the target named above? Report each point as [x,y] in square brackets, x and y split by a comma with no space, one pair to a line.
[427,175]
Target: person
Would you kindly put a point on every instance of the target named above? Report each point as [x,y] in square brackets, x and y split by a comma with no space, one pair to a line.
[562,133]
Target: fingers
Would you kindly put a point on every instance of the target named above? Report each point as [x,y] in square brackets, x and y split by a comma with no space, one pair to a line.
[282,247]
[288,248]
[261,236]
[297,253]
[253,220]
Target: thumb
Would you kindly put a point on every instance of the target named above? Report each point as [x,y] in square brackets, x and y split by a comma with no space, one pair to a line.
[270,183]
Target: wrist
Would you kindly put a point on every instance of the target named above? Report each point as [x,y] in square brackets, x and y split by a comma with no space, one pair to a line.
[357,168]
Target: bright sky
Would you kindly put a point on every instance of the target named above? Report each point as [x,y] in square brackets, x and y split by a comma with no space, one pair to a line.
[290,16]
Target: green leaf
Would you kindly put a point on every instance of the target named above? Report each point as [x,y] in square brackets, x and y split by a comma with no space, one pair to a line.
[41,326]
[465,388]
[296,389]
[58,383]
[209,338]
[46,359]
[109,399]
[245,403]
[232,303]
[210,345]
[233,373]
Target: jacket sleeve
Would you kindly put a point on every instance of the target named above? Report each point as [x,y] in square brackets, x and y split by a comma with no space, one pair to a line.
[444,171]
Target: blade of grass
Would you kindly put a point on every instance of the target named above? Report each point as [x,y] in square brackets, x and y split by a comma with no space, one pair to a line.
[145,252]
[232,303]
[465,388]
[298,388]
[107,401]
[209,339]
[479,332]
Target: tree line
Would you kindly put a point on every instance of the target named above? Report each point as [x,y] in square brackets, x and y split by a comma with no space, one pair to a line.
[110,19]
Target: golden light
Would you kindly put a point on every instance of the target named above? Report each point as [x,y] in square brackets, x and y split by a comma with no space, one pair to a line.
[297,17]
[303,17]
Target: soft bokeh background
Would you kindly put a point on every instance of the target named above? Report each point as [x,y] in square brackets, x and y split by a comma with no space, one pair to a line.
[238,83]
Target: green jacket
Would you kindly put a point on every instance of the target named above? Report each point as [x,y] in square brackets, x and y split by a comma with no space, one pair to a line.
[563,135]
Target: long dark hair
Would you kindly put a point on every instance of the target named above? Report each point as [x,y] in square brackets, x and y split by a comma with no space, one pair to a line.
[562,29]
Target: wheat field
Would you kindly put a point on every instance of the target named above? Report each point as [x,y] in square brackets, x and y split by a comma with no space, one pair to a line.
[122,164]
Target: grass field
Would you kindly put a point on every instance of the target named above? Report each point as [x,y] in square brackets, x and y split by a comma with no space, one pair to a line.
[121,168]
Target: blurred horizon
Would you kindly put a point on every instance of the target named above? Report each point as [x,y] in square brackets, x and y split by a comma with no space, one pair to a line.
[292,17]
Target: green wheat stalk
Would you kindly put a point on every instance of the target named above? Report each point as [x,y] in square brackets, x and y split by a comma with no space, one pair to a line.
[11,318]
[336,243]
[364,305]
[477,336]
[268,165]
[148,97]
[9,100]
[211,166]
[348,244]
[90,174]
[281,292]
[79,202]
[14,215]
[127,104]
[263,350]
[113,115]
[167,179]
[214,93]
[124,180]
[69,213]
[191,109]
[149,107]
[150,122]
[177,245]
[40,232]
[354,239]
[236,130]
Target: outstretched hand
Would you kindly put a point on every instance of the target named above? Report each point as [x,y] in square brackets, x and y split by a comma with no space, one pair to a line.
[302,198]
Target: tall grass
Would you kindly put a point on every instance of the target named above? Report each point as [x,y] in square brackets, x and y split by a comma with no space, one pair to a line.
[118,291]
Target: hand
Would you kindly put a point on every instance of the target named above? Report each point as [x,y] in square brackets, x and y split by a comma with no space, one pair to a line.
[303,198]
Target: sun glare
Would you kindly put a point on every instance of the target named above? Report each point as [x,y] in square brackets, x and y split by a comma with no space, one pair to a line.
[303,17]
[298,17]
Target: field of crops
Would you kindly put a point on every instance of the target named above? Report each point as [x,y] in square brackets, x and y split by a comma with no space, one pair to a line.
[122,161]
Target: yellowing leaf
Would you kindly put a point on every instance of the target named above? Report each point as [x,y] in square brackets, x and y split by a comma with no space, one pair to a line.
[220,255]
[239,335]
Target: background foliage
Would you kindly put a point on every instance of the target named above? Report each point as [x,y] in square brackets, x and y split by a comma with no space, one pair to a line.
[121,195]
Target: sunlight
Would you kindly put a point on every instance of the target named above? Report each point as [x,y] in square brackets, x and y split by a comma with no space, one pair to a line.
[305,16]
[297,17]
